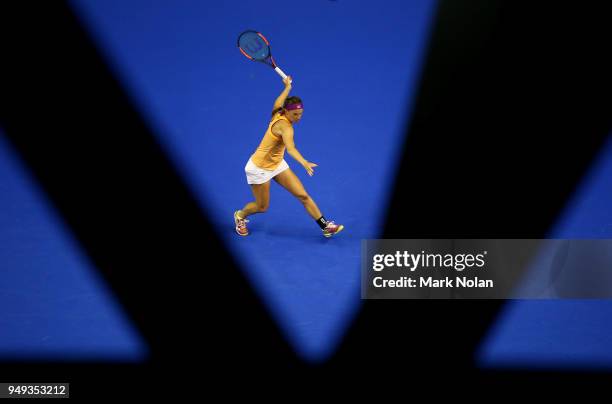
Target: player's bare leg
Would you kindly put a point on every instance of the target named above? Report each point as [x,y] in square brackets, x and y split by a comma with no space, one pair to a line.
[288,180]
[261,192]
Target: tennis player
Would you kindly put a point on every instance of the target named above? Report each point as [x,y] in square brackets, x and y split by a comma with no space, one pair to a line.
[267,163]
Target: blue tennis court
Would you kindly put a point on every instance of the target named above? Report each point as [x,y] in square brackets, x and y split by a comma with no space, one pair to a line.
[210,107]
[562,334]
[55,306]
[356,65]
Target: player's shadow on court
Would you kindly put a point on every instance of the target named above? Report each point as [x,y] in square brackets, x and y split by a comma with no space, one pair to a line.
[307,234]
[261,230]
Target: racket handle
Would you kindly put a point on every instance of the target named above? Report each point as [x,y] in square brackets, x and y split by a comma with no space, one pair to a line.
[280,72]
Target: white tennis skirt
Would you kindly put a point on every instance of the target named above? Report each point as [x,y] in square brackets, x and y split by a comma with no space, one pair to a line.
[256,175]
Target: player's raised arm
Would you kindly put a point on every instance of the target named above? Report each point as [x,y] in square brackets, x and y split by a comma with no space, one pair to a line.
[283,96]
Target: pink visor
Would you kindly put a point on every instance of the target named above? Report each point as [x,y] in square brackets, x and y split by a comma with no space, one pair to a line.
[290,107]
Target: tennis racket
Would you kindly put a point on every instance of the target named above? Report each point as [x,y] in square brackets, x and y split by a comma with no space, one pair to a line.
[256,47]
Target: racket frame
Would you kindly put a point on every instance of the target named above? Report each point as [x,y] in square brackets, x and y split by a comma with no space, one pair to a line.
[269,57]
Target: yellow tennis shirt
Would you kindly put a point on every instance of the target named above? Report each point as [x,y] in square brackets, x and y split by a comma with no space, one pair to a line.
[270,152]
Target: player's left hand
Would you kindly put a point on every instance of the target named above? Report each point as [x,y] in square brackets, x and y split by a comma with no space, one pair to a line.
[309,168]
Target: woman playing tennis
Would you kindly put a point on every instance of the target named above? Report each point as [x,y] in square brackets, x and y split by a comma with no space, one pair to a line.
[267,163]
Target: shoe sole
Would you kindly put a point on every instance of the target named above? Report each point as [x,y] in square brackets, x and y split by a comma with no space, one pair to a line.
[339,230]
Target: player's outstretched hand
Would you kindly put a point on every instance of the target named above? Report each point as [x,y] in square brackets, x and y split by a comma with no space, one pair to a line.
[309,168]
[287,81]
